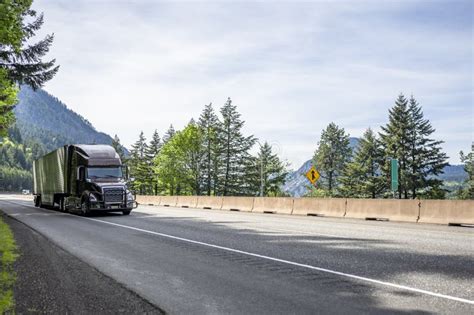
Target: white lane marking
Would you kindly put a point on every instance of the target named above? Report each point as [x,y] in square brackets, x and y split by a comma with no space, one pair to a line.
[347,275]
[288,262]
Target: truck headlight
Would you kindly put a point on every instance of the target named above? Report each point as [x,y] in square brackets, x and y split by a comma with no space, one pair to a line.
[129,196]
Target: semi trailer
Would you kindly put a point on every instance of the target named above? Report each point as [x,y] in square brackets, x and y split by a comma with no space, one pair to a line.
[82,178]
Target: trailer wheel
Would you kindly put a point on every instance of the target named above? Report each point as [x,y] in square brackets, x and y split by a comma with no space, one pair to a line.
[126,212]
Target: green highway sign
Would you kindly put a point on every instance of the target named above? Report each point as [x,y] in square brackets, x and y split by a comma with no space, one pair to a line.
[394,173]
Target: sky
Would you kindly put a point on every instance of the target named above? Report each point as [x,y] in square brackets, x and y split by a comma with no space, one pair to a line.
[290,67]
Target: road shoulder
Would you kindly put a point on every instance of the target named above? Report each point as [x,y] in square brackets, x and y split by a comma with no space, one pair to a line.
[50,280]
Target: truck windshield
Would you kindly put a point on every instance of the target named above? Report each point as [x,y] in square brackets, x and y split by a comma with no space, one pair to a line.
[104,172]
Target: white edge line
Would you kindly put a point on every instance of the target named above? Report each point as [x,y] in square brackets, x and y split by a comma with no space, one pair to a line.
[342,274]
[290,262]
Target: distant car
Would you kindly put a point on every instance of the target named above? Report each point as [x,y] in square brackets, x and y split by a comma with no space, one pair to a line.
[25,191]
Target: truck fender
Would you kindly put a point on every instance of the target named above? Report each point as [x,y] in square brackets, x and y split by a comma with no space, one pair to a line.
[86,196]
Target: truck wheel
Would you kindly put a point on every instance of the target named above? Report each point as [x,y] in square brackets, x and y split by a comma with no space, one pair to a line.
[126,212]
[62,206]
[37,201]
[85,208]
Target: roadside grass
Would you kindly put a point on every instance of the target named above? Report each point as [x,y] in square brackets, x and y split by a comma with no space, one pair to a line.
[8,255]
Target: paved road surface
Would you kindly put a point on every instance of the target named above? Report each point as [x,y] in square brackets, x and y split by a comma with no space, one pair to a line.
[209,261]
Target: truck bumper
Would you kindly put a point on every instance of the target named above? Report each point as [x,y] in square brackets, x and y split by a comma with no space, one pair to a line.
[101,206]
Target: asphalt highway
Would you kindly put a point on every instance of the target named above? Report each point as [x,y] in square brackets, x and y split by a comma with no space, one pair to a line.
[215,262]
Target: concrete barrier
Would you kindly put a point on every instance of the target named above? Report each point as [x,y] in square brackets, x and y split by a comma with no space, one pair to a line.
[383,209]
[168,201]
[148,200]
[209,202]
[187,201]
[331,207]
[238,203]
[451,212]
[273,205]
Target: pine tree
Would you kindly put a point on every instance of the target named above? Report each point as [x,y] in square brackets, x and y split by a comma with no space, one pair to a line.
[151,153]
[140,167]
[468,161]
[234,151]
[20,57]
[427,160]
[362,176]
[331,156]
[20,60]
[210,125]
[155,145]
[395,139]
[8,99]
[169,134]
[406,137]
[271,172]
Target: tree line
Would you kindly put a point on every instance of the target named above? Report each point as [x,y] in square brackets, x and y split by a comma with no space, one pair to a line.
[16,160]
[366,173]
[210,156]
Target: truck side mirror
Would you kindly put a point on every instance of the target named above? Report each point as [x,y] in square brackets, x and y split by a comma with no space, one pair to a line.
[80,173]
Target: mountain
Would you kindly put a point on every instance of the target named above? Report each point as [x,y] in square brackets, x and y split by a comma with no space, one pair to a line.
[454,173]
[43,118]
[297,185]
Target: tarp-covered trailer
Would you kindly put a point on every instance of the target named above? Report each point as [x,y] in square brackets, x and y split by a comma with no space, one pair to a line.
[82,177]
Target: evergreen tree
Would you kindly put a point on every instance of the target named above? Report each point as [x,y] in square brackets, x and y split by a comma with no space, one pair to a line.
[20,57]
[8,99]
[152,152]
[271,172]
[154,146]
[362,176]
[234,151]
[331,156]
[20,60]
[406,137]
[468,161]
[169,134]
[426,160]
[210,125]
[139,165]
[395,139]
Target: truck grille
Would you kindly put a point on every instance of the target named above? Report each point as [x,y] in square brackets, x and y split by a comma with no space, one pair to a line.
[113,195]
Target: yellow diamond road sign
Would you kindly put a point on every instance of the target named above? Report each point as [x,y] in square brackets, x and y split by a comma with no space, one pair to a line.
[312,175]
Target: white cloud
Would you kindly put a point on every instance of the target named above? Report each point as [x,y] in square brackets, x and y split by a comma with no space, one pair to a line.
[290,67]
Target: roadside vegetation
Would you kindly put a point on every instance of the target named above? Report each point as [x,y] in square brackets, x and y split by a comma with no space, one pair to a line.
[211,156]
[20,64]
[8,255]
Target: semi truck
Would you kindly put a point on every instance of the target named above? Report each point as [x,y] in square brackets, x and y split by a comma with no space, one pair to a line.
[82,178]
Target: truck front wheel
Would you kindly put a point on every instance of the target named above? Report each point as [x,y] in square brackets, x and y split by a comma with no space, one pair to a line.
[62,206]
[37,201]
[126,212]
[85,208]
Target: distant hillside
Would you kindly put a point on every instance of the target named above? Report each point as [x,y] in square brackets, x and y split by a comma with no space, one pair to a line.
[43,118]
[454,173]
